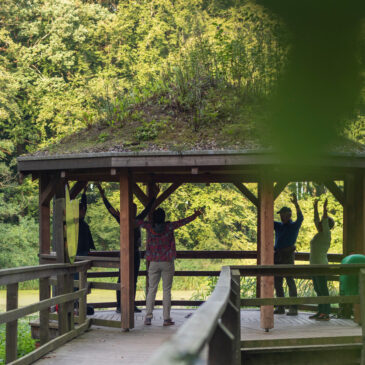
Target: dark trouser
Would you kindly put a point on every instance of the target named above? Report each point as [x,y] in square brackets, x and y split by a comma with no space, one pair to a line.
[321,289]
[137,262]
[281,258]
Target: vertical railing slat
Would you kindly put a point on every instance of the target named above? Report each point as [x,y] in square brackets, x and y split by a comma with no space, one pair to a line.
[82,300]
[44,293]
[11,327]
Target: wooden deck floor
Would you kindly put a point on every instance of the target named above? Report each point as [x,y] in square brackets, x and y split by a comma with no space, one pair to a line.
[112,346]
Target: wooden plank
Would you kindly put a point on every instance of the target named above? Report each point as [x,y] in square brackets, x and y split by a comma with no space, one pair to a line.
[162,197]
[217,254]
[52,345]
[336,191]
[12,315]
[105,322]
[279,188]
[247,193]
[20,274]
[303,341]
[299,270]
[177,303]
[44,294]
[189,178]
[267,248]
[105,286]
[303,355]
[301,300]
[11,348]
[138,192]
[126,252]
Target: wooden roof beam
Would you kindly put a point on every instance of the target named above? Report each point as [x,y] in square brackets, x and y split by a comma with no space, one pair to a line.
[48,191]
[247,193]
[336,191]
[279,188]
[138,192]
[162,197]
[77,188]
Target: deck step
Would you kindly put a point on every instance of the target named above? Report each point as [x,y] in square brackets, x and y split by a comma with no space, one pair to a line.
[339,354]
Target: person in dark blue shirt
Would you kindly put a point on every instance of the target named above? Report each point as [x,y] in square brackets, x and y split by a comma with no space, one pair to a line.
[286,233]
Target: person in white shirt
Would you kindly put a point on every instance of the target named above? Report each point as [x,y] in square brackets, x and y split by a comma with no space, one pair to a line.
[320,245]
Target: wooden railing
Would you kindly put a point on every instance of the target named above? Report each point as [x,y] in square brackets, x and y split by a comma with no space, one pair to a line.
[65,299]
[110,259]
[216,323]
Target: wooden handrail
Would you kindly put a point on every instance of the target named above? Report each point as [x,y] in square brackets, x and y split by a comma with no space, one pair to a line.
[20,274]
[66,298]
[191,338]
[294,270]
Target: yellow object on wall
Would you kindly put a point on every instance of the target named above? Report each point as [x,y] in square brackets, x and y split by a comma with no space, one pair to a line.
[72,226]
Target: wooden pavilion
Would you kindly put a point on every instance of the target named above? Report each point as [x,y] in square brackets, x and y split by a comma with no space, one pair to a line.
[210,166]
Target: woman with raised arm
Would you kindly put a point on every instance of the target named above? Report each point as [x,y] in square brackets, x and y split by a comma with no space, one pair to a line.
[320,245]
[161,253]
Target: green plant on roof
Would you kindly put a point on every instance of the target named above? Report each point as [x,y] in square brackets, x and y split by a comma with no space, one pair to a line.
[148,130]
[103,137]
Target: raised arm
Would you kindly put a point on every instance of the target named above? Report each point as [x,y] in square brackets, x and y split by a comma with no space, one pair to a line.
[182,222]
[316,216]
[300,218]
[109,207]
[325,214]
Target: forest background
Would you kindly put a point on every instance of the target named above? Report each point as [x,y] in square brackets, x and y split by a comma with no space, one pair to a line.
[68,66]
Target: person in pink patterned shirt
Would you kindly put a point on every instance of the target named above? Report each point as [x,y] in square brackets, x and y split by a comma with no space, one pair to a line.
[161,253]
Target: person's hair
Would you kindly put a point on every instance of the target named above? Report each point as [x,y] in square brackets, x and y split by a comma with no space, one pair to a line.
[158,216]
[331,222]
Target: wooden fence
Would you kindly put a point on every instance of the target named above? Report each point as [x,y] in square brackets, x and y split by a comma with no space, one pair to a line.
[65,299]
[216,324]
[110,259]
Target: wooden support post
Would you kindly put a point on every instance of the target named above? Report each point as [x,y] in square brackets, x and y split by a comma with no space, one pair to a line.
[44,293]
[362,308]
[221,346]
[44,218]
[267,248]
[62,283]
[126,251]
[11,327]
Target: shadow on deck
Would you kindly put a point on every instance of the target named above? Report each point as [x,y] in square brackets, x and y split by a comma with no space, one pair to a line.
[112,346]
